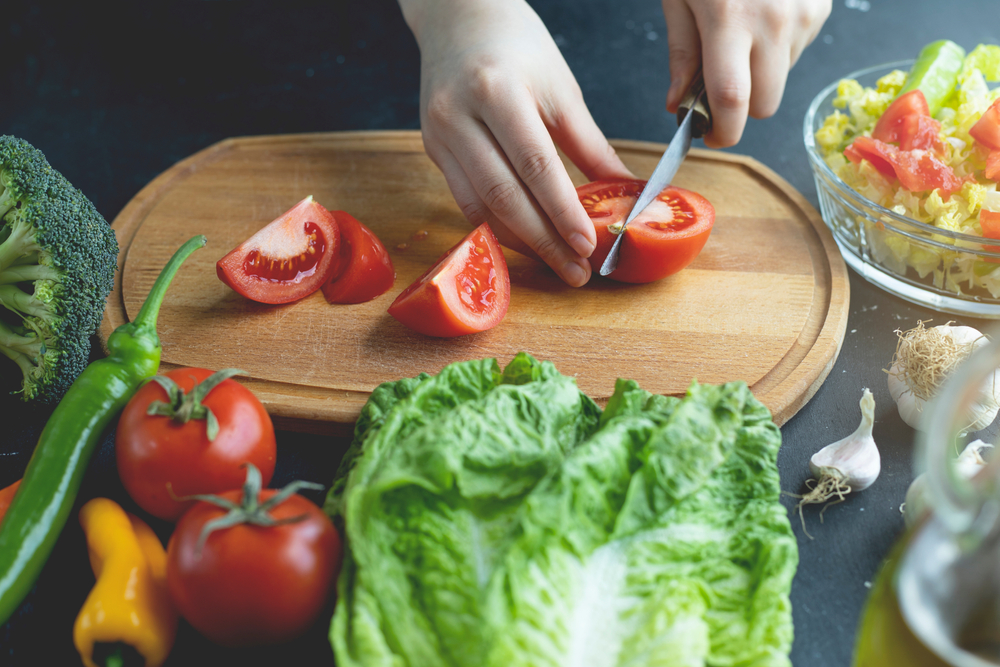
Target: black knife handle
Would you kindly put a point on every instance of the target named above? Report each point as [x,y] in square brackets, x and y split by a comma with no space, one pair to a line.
[695,100]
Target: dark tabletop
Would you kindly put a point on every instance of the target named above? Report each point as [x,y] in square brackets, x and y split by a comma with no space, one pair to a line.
[116,95]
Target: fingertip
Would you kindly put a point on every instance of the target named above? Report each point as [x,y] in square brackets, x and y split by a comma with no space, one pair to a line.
[576,272]
[581,244]
[722,139]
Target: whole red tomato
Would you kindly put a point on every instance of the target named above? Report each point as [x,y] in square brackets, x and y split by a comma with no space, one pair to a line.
[251,584]
[159,456]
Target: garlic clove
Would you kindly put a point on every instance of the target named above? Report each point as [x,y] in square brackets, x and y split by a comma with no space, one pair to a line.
[968,463]
[855,460]
[911,408]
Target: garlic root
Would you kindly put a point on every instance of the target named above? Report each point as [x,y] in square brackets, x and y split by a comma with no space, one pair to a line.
[924,358]
[850,464]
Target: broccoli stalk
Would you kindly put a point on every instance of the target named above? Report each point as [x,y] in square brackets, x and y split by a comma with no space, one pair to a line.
[57,261]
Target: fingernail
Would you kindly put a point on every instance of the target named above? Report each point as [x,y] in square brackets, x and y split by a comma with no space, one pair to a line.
[581,244]
[574,273]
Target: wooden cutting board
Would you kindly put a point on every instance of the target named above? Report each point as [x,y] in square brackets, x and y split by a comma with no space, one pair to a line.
[766,301]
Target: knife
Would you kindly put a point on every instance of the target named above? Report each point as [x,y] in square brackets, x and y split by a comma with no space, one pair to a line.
[694,120]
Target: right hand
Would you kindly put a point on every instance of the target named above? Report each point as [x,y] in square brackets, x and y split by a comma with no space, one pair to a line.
[744,48]
[496,97]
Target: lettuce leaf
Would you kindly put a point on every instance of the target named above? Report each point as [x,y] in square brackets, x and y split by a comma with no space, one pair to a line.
[515,523]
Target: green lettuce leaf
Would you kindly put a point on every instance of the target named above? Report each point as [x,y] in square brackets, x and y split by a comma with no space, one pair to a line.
[514,523]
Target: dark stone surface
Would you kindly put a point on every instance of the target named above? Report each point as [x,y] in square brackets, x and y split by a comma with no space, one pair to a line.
[116,92]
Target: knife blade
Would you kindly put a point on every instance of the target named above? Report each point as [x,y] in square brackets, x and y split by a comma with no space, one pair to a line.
[694,120]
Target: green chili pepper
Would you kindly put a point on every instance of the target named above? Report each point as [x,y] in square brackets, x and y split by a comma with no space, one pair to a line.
[52,479]
[935,73]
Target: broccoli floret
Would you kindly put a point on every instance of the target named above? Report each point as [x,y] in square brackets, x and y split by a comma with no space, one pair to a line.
[57,261]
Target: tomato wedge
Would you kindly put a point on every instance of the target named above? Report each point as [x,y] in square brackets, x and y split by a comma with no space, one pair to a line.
[917,170]
[989,222]
[908,122]
[466,291]
[362,269]
[992,170]
[661,241]
[987,129]
[287,260]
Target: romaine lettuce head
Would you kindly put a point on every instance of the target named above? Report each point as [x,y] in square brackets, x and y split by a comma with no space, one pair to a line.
[510,521]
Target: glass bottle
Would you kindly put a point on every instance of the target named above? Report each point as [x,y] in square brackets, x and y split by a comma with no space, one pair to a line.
[936,599]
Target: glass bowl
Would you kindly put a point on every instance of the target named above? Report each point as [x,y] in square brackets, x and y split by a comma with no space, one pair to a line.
[883,246]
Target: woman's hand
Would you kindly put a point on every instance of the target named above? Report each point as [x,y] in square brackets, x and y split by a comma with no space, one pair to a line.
[496,98]
[745,49]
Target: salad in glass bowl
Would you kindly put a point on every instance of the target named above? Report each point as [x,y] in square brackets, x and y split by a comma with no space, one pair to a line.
[906,158]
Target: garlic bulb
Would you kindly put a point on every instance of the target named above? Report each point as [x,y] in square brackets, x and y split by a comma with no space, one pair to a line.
[968,463]
[924,358]
[850,464]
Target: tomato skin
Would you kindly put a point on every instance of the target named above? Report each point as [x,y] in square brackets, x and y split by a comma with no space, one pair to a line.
[992,170]
[911,103]
[987,129]
[253,585]
[153,451]
[261,267]
[444,302]
[917,170]
[908,122]
[661,241]
[363,269]
[989,222]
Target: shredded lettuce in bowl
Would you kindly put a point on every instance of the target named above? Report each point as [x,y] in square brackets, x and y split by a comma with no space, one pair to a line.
[857,110]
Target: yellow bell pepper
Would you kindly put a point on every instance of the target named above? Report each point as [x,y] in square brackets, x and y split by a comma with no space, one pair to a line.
[129,608]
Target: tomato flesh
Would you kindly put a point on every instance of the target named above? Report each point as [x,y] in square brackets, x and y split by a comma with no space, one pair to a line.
[987,129]
[908,122]
[466,291]
[992,170]
[917,170]
[663,239]
[293,269]
[989,222]
[290,258]
[363,269]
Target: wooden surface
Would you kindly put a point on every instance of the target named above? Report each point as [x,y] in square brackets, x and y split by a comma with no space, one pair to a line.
[766,301]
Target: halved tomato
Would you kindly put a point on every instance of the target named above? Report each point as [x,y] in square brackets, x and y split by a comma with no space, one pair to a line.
[466,291]
[662,240]
[287,260]
[362,269]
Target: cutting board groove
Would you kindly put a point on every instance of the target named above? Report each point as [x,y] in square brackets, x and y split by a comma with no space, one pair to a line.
[766,301]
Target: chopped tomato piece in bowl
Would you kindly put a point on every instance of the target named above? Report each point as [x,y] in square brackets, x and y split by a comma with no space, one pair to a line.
[660,241]
[466,291]
[907,184]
